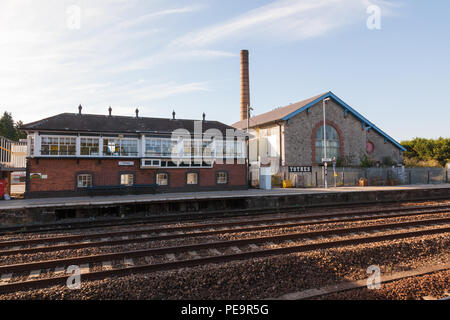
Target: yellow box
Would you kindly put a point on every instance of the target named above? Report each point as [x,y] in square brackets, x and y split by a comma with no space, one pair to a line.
[287,184]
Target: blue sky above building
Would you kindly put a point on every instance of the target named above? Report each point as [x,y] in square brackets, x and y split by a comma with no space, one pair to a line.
[161,56]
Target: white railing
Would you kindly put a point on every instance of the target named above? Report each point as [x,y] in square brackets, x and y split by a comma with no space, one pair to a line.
[13,154]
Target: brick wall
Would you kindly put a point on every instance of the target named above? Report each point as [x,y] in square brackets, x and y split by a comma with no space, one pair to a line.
[62,174]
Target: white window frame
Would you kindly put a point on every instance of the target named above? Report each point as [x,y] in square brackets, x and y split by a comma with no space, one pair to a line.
[196,179]
[128,177]
[166,179]
[120,140]
[89,155]
[59,137]
[81,175]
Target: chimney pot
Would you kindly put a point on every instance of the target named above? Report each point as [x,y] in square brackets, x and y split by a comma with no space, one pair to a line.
[173,115]
[79,109]
[137,113]
[110,110]
[203,115]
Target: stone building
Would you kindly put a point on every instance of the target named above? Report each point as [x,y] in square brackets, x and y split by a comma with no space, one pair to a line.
[293,136]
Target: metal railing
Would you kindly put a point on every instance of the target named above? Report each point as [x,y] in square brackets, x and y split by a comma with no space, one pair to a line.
[13,154]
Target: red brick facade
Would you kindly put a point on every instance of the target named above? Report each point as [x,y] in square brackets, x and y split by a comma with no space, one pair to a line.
[61,175]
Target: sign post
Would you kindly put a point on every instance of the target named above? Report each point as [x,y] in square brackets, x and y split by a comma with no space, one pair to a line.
[334,171]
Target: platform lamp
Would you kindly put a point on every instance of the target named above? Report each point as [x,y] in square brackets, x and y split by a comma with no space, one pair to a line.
[324,160]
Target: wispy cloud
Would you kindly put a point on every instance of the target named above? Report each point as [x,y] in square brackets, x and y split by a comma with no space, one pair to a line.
[289,20]
[45,67]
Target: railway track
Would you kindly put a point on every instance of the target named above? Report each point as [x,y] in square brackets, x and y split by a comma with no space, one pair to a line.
[192,231]
[111,222]
[52,272]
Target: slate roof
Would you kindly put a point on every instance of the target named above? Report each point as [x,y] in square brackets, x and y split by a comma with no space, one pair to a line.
[71,122]
[274,115]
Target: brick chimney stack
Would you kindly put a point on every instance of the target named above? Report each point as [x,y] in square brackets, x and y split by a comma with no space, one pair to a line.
[245,85]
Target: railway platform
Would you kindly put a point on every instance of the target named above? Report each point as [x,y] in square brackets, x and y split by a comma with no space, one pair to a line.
[51,209]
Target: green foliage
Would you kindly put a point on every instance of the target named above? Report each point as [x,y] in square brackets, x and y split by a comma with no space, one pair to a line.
[421,150]
[388,162]
[366,162]
[9,129]
[345,161]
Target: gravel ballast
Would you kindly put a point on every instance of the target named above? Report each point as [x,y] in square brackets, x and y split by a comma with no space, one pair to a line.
[268,277]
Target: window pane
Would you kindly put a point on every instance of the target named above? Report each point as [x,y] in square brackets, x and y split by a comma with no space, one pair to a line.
[84,180]
[129,147]
[153,147]
[89,146]
[332,143]
[162,179]
[222,177]
[192,178]
[126,179]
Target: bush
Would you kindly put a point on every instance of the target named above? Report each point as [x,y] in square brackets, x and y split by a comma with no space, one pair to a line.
[421,151]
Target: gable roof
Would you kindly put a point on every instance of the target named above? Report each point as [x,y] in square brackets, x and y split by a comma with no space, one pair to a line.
[118,124]
[285,113]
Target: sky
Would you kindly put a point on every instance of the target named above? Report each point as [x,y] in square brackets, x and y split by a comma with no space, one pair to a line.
[389,60]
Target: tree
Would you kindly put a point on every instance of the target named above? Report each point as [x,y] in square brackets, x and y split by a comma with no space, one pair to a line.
[9,129]
[422,150]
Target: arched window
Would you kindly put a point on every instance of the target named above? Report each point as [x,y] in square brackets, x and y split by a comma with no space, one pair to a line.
[332,143]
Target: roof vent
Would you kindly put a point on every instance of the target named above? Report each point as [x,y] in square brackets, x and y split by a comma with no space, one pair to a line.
[79,109]
[110,110]
[173,115]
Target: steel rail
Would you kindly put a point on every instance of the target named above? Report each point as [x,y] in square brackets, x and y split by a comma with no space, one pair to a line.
[360,216]
[11,287]
[78,225]
[79,245]
[202,246]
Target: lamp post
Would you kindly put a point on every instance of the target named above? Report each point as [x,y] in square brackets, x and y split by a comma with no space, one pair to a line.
[248,144]
[324,160]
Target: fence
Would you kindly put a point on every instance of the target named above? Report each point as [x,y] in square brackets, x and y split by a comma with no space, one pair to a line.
[13,154]
[374,176]
[346,176]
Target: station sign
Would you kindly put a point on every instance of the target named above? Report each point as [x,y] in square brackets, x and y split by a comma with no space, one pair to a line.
[126,163]
[300,169]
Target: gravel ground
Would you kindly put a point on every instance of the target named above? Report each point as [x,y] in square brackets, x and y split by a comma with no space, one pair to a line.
[268,277]
[434,286]
[23,258]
